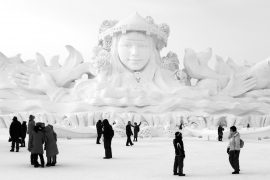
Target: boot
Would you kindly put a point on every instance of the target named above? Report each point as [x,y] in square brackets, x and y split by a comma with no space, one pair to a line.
[48,162]
[53,161]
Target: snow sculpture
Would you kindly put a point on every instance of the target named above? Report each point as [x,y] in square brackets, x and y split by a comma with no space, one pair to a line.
[128,74]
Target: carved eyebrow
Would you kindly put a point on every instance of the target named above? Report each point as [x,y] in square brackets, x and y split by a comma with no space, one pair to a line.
[135,40]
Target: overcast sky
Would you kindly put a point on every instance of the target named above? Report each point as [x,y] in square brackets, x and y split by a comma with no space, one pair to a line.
[236,28]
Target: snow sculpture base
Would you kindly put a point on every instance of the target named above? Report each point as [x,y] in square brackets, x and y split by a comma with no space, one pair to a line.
[82,125]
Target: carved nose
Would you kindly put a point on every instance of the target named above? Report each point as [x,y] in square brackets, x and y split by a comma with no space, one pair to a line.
[133,50]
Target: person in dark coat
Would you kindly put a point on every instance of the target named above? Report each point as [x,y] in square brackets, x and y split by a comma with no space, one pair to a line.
[108,134]
[99,131]
[136,131]
[179,155]
[23,133]
[220,132]
[36,142]
[15,134]
[129,133]
[31,125]
[50,145]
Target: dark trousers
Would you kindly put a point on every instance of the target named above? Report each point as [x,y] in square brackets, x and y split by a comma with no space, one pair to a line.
[32,159]
[178,164]
[51,160]
[234,159]
[36,159]
[23,142]
[14,142]
[107,147]
[98,137]
[135,137]
[220,137]
[129,141]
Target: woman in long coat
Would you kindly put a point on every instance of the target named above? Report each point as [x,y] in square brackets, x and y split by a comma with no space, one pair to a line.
[35,146]
[50,145]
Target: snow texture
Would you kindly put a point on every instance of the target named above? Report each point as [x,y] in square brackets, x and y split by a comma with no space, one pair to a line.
[148,159]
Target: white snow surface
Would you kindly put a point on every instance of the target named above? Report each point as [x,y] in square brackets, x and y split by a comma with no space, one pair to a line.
[148,159]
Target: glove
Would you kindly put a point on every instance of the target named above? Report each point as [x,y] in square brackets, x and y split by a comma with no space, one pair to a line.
[228,150]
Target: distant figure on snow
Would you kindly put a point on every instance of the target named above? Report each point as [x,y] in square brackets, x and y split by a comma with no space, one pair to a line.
[179,155]
[129,133]
[234,149]
[31,125]
[50,145]
[220,132]
[99,126]
[36,142]
[136,131]
[23,133]
[108,134]
[15,134]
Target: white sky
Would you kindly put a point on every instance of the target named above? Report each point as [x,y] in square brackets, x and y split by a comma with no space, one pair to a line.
[236,28]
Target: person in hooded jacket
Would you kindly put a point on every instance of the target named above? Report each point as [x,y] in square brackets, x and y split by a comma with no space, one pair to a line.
[23,133]
[15,134]
[108,134]
[234,149]
[36,142]
[179,155]
[31,125]
[136,131]
[99,131]
[50,145]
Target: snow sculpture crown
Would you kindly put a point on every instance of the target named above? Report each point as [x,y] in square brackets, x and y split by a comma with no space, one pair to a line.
[135,22]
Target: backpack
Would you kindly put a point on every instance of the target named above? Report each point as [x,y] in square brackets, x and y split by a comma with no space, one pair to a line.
[241,143]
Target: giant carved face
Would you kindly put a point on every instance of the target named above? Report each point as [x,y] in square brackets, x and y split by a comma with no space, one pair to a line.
[134,50]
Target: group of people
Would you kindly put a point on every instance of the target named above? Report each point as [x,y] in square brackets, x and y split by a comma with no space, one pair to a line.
[104,127]
[17,132]
[233,150]
[129,133]
[41,138]
[40,135]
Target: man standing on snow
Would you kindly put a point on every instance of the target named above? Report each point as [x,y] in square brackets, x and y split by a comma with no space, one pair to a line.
[220,132]
[129,133]
[15,133]
[234,149]
[99,131]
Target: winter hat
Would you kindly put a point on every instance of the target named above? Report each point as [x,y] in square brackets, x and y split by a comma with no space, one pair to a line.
[178,133]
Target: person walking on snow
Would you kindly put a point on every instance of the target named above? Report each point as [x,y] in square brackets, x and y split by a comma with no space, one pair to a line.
[129,133]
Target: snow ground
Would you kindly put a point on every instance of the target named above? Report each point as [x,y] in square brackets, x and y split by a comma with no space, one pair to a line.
[149,159]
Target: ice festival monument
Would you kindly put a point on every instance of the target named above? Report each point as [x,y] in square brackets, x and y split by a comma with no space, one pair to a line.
[128,80]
